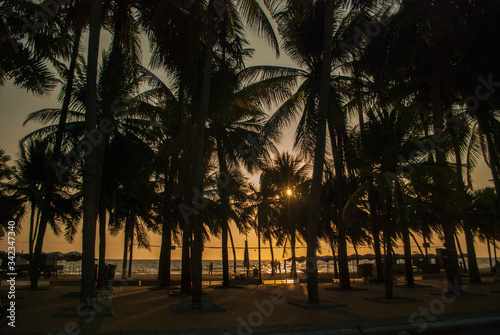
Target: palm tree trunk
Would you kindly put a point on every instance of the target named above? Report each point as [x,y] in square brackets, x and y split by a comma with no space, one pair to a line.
[131,249]
[461,253]
[258,246]
[233,247]
[186,261]
[452,270]
[51,175]
[388,253]
[474,275]
[489,253]
[32,228]
[405,232]
[408,261]
[494,159]
[293,272]
[125,248]
[102,239]
[166,237]
[91,177]
[224,199]
[356,253]
[416,243]
[272,255]
[335,270]
[319,158]
[495,249]
[378,256]
[376,235]
[198,157]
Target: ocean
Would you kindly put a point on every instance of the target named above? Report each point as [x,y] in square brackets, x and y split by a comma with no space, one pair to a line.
[150,266]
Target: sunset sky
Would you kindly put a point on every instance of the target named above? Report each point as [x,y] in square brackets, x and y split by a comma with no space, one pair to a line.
[16,104]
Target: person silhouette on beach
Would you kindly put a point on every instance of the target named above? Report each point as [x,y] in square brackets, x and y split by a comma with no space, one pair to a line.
[211,268]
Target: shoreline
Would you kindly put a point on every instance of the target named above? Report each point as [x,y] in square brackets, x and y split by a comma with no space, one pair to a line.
[152,279]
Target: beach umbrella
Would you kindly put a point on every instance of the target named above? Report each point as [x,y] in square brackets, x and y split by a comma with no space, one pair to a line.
[58,254]
[73,256]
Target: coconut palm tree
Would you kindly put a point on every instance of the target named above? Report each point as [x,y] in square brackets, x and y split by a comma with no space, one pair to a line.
[30,45]
[285,180]
[224,13]
[75,29]
[13,208]
[321,57]
[427,73]
[388,135]
[25,188]
[91,177]
[484,213]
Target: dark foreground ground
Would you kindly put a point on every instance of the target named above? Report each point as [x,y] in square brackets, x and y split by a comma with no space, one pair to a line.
[271,308]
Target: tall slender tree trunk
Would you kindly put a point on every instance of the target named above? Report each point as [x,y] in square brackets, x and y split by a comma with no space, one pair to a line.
[166,234]
[272,255]
[489,253]
[102,239]
[474,275]
[452,270]
[426,257]
[405,232]
[495,249]
[131,249]
[233,247]
[186,261]
[258,246]
[198,157]
[376,234]
[51,175]
[293,272]
[389,282]
[319,158]
[356,253]
[335,268]
[416,243]
[224,219]
[494,159]
[91,176]
[461,253]
[125,247]
[32,231]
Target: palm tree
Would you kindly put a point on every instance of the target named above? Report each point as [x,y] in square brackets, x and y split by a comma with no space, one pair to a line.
[235,118]
[30,46]
[322,57]
[76,28]
[284,179]
[25,188]
[13,207]
[427,73]
[180,63]
[484,213]
[388,135]
[133,194]
[91,177]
